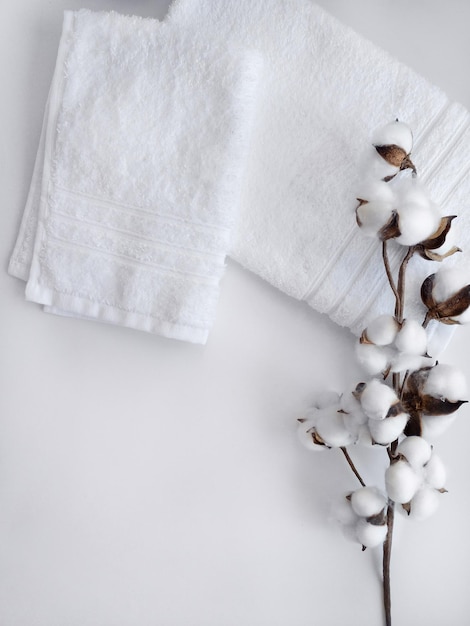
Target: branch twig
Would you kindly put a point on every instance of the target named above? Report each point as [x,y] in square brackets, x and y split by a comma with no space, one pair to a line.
[352,466]
[401,285]
[389,274]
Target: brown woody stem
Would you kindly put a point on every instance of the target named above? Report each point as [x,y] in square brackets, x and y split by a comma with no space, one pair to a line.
[352,466]
[399,293]
[401,285]
[387,553]
[389,273]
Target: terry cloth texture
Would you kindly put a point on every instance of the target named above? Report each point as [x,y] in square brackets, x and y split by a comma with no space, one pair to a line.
[325,90]
[137,181]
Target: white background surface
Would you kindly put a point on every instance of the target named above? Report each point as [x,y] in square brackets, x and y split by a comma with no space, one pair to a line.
[149,482]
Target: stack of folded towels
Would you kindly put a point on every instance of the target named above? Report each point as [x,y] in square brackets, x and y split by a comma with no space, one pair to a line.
[231,128]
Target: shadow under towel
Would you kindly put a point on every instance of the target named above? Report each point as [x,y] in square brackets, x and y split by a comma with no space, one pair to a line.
[136,184]
[324,91]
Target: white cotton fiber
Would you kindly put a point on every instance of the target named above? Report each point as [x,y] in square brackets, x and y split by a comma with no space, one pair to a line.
[326,399]
[385,431]
[416,223]
[434,425]
[395,133]
[343,513]
[412,338]
[446,382]
[413,192]
[401,481]
[350,404]
[369,535]
[304,433]
[435,472]
[311,414]
[368,501]
[373,216]
[382,330]
[376,399]
[402,362]
[332,430]
[375,167]
[373,359]
[448,281]
[416,450]
[376,191]
[424,503]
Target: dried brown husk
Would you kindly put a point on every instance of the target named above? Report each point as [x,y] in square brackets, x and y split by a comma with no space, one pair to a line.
[417,403]
[390,230]
[379,519]
[364,339]
[395,409]
[407,507]
[429,255]
[436,240]
[414,426]
[397,157]
[392,153]
[426,292]
[447,310]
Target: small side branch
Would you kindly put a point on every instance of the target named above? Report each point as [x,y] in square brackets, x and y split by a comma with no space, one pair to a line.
[389,274]
[401,284]
[352,466]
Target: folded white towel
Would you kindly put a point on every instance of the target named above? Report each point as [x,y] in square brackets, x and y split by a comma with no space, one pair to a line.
[325,91]
[137,180]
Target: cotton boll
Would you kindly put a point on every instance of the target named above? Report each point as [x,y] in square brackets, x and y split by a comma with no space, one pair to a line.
[424,504]
[403,362]
[385,431]
[367,501]
[332,430]
[434,425]
[349,531]
[311,414]
[412,192]
[343,512]
[382,330]
[416,450]
[370,535]
[355,419]
[401,481]
[446,382]
[416,223]
[376,166]
[364,437]
[373,359]
[350,404]
[448,281]
[326,399]
[395,133]
[435,472]
[304,433]
[376,191]
[372,216]
[412,338]
[376,399]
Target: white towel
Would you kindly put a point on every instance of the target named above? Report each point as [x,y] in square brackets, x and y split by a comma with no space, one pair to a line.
[325,90]
[137,180]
